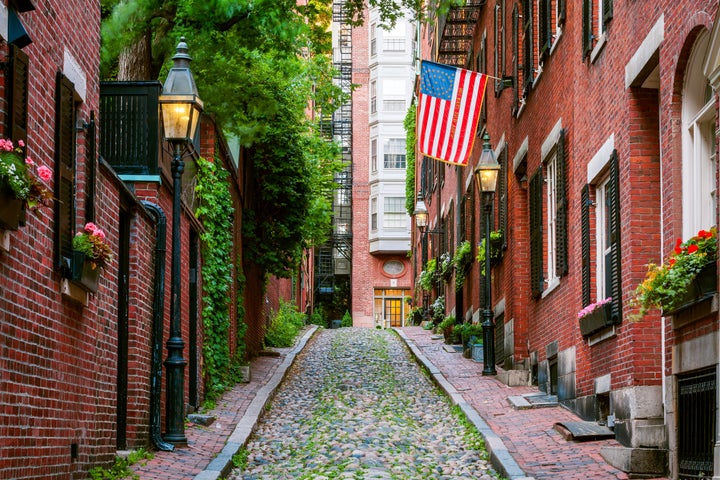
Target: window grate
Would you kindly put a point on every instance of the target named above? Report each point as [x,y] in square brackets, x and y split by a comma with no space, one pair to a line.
[696,424]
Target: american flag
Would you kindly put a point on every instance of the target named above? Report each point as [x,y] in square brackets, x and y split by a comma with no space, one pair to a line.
[448,111]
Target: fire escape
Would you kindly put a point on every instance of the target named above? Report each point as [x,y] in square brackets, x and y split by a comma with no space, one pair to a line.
[456,33]
[333,259]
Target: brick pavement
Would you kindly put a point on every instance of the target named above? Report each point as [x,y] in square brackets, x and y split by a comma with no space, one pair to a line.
[204,443]
[528,435]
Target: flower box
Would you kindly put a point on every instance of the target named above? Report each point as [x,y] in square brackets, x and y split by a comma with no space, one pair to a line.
[11,211]
[85,272]
[596,320]
[702,286]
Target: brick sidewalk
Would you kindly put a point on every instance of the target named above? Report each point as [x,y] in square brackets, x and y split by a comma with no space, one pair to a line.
[204,443]
[528,435]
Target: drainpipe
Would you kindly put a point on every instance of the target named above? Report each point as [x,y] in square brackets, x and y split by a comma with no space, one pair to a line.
[157,327]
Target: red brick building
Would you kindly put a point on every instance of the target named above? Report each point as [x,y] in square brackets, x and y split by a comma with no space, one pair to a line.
[605,131]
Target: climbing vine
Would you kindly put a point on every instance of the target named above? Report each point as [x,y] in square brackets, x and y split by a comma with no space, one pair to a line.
[215,210]
[410,141]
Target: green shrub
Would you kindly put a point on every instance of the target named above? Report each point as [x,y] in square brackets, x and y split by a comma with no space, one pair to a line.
[121,467]
[346,320]
[284,326]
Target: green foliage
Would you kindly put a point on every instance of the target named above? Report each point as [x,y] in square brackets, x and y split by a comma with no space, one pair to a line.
[468,330]
[410,145]
[346,320]
[427,276]
[495,250]
[121,467]
[215,210]
[462,260]
[415,316]
[284,326]
[447,322]
[240,459]
[445,266]
[438,309]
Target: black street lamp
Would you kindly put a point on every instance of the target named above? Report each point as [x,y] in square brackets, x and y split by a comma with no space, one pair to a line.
[421,220]
[181,107]
[486,174]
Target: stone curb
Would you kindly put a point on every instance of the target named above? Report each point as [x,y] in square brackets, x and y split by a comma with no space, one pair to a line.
[222,464]
[500,457]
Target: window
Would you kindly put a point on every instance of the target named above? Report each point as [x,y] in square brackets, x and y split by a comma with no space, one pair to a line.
[393,93]
[516,59]
[544,27]
[64,170]
[394,214]
[373,96]
[481,66]
[17,94]
[536,234]
[394,40]
[373,214]
[373,155]
[373,39]
[607,277]
[502,194]
[595,17]
[551,198]
[698,140]
[394,153]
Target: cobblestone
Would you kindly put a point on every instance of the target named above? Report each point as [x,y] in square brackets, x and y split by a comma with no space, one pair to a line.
[355,405]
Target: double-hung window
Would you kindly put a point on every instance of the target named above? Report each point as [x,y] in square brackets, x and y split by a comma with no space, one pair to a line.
[394,213]
[394,153]
[596,15]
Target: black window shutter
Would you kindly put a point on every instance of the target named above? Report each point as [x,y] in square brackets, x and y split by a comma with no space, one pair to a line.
[18,94]
[585,244]
[536,234]
[561,12]
[528,53]
[607,11]
[483,66]
[613,193]
[64,169]
[515,59]
[91,169]
[544,27]
[561,240]
[503,197]
[587,35]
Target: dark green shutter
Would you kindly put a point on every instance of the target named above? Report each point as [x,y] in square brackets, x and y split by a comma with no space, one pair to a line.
[18,94]
[515,59]
[64,169]
[544,27]
[613,193]
[503,196]
[528,54]
[90,167]
[607,12]
[585,244]
[561,12]
[587,35]
[536,234]
[561,240]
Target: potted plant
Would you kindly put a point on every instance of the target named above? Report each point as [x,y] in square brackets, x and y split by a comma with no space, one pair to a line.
[445,266]
[427,276]
[447,326]
[595,316]
[90,254]
[22,185]
[688,275]
[462,260]
[496,237]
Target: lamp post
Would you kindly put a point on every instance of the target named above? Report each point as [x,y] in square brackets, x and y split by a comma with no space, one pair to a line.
[421,219]
[486,174]
[181,107]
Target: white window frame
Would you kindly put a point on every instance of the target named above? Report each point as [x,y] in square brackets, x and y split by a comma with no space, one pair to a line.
[373,40]
[550,222]
[394,219]
[373,214]
[373,155]
[602,238]
[390,151]
[698,140]
[373,96]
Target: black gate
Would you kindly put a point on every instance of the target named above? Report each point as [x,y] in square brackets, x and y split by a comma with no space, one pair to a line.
[696,424]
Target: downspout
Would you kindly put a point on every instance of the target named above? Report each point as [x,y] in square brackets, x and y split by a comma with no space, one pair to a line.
[157,327]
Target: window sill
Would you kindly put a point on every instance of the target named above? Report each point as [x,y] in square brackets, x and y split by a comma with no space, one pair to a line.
[556,39]
[695,311]
[599,46]
[72,291]
[552,285]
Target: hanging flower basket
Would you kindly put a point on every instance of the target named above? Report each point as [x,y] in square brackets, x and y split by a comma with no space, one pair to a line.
[11,211]
[702,286]
[85,272]
[596,319]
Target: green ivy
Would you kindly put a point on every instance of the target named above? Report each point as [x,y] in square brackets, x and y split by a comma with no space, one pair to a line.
[410,140]
[216,210]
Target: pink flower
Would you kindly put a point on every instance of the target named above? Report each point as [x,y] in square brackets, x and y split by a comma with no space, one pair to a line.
[90,228]
[29,161]
[6,145]
[99,233]
[44,173]
[21,143]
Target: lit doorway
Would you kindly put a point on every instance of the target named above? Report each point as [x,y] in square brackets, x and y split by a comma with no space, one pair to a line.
[389,308]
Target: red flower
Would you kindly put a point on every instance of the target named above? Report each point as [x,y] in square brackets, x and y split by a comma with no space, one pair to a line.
[671,261]
[692,248]
[704,234]
[678,242]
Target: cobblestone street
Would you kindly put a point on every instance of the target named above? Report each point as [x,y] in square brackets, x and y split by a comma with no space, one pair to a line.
[355,405]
